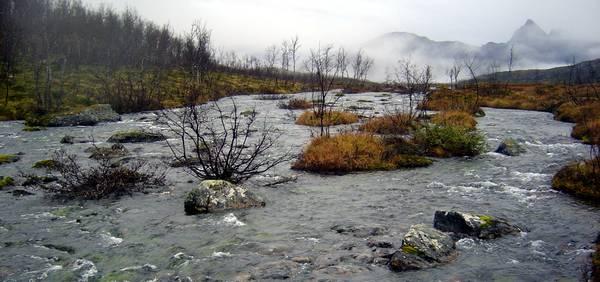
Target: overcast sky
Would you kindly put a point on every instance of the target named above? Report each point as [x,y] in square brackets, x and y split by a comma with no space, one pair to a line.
[254,24]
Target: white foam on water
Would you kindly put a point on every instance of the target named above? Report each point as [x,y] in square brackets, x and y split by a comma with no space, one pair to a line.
[145,267]
[465,244]
[110,241]
[310,239]
[231,219]
[513,261]
[530,176]
[220,254]
[495,155]
[485,184]
[436,184]
[536,247]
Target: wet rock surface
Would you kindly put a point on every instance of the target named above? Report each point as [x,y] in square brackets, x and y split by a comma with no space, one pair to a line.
[480,226]
[360,231]
[423,247]
[510,147]
[136,136]
[88,117]
[219,195]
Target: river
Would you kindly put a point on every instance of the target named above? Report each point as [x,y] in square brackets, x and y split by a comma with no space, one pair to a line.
[148,237]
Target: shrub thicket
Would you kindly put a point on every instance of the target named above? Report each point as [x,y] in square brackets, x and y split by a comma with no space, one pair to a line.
[349,152]
[449,141]
[106,179]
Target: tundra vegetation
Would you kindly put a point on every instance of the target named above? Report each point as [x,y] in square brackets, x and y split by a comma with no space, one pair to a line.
[51,63]
[576,100]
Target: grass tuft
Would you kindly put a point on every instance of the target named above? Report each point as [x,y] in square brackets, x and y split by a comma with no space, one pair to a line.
[330,118]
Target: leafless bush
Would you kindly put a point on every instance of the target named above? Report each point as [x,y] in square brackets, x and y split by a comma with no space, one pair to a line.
[417,82]
[106,179]
[219,144]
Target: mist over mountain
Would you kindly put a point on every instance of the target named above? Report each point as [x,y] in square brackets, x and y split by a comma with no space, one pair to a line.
[532,48]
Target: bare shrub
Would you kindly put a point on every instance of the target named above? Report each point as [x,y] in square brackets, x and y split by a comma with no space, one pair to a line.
[106,179]
[219,144]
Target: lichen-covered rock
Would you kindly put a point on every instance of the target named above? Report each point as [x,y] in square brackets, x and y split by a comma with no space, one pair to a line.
[136,136]
[423,247]
[510,147]
[217,195]
[480,226]
[92,115]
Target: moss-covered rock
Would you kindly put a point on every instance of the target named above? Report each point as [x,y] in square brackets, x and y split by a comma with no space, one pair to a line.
[464,224]
[136,136]
[47,164]
[8,158]
[581,180]
[422,247]
[6,181]
[510,147]
[89,116]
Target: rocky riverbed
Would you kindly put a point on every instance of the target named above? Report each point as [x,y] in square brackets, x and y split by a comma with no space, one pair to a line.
[318,227]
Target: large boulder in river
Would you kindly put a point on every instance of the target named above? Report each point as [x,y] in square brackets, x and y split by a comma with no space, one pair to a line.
[217,195]
[480,226]
[136,136]
[91,115]
[510,147]
[423,247]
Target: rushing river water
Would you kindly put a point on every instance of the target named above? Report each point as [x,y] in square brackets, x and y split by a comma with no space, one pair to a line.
[148,236]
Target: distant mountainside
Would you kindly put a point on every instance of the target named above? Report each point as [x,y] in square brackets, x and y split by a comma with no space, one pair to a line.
[532,47]
[584,72]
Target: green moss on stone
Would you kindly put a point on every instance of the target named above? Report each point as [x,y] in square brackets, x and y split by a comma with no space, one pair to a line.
[48,164]
[6,181]
[487,221]
[33,128]
[6,158]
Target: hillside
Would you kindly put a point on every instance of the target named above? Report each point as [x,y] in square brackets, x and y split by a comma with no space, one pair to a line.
[584,72]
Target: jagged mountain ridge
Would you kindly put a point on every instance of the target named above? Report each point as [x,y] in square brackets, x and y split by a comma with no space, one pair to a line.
[532,47]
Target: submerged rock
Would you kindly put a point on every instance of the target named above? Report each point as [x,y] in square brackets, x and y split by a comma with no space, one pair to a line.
[217,195]
[68,139]
[136,136]
[277,270]
[423,247]
[92,115]
[359,231]
[480,226]
[510,147]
